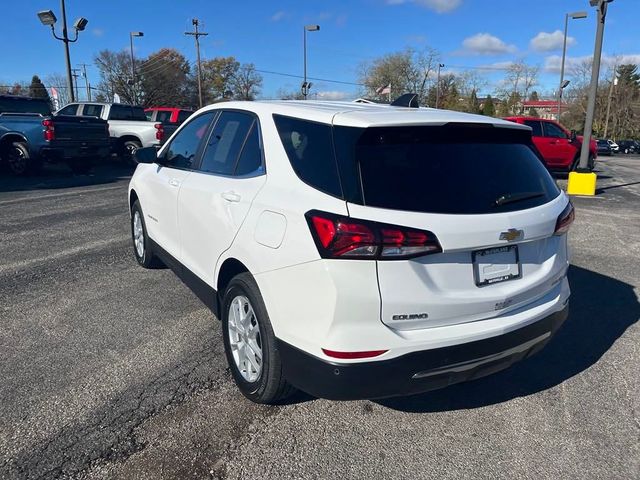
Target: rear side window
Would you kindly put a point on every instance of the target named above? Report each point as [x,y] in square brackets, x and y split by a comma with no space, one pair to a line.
[251,156]
[163,116]
[449,169]
[536,127]
[126,112]
[91,110]
[225,142]
[181,152]
[309,147]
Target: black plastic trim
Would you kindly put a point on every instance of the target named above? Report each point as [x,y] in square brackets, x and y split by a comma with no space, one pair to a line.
[207,294]
[395,377]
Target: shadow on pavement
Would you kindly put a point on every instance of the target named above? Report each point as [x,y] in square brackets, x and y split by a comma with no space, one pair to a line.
[59,176]
[603,189]
[601,309]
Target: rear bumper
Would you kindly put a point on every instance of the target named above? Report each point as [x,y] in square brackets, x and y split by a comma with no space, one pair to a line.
[74,152]
[416,372]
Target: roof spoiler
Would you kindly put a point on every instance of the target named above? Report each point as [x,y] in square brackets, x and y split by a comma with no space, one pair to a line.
[407,100]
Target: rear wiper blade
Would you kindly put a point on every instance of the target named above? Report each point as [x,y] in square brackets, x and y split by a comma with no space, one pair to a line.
[516,197]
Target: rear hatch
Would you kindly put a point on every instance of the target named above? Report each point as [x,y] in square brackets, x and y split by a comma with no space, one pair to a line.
[72,129]
[487,198]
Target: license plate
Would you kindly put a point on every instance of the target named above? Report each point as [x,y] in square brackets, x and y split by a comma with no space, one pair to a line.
[495,265]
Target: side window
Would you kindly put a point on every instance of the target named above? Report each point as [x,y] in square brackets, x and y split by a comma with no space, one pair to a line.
[163,116]
[181,152]
[183,115]
[118,112]
[92,110]
[536,126]
[149,114]
[553,130]
[225,142]
[251,156]
[69,110]
[309,146]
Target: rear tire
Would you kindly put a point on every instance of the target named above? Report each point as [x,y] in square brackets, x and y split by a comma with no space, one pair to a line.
[141,244]
[250,344]
[19,160]
[129,149]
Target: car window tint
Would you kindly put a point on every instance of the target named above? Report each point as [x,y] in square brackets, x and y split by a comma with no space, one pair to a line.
[553,130]
[183,115]
[69,110]
[92,110]
[225,142]
[536,127]
[251,156]
[163,116]
[181,152]
[309,147]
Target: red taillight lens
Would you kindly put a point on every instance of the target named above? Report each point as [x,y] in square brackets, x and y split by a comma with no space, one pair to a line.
[565,219]
[49,130]
[353,355]
[159,131]
[343,237]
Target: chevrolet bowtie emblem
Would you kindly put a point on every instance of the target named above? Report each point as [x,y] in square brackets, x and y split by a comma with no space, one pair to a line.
[511,235]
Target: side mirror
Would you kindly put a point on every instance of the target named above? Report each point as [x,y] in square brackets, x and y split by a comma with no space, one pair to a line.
[574,135]
[146,155]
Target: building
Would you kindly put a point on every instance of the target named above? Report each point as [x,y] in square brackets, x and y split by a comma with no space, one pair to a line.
[547,109]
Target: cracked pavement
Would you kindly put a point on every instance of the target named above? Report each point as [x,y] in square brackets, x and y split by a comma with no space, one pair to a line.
[110,371]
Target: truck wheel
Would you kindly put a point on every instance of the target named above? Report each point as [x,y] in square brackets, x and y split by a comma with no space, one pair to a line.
[250,344]
[18,158]
[129,148]
[591,163]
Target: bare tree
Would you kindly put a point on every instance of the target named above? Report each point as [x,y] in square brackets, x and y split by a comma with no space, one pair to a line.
[246,82]
[59,82]
[516,86]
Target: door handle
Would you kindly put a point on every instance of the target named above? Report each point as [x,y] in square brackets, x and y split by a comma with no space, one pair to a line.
[174,183]
[231,196]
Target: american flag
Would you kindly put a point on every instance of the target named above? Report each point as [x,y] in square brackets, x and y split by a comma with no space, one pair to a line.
[384,90]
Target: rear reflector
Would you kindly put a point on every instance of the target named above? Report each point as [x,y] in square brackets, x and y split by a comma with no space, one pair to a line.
[345,237]
[353,355]
[565,219]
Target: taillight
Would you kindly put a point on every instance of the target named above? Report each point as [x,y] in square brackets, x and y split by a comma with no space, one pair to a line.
[344,237]
[159,131]
[49,131]
[353,355]
[565,219]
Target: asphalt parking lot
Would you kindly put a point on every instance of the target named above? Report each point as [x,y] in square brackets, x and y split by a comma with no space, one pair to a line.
[111,371]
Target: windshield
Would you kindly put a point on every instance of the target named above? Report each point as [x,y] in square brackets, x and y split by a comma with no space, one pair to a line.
[24,105]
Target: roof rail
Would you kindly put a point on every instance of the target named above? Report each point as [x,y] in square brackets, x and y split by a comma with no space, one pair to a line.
[407,100]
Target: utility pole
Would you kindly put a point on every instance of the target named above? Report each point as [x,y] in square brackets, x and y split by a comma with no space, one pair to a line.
[75,79]
[86,80]
[197,34]
[440,65]
[614,82]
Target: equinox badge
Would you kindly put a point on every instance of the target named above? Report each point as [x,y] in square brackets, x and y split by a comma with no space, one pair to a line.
[511,235]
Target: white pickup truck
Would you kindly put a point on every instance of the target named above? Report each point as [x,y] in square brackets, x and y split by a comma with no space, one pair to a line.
[128,125]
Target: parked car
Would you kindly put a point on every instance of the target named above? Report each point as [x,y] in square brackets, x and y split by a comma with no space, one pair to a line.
[354,250]
[615,148]
[128,125]
[559,147]
[170,117]
[629,146]
[603,147]
[30,136]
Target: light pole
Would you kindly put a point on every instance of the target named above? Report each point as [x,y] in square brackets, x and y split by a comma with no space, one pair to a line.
[440,65]
[574,16]
[305,85]
[48,18]
[133,64]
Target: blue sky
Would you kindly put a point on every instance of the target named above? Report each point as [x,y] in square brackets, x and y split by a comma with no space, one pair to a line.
[468,33]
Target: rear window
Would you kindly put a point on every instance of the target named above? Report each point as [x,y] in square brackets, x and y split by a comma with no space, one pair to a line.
[452,169]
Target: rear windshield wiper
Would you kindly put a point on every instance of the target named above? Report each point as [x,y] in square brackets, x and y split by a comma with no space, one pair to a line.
[516,197]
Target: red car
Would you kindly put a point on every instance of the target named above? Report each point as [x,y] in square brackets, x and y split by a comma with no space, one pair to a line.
[559,147]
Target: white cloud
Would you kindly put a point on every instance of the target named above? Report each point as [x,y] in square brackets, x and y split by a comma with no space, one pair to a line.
[440,6]
[98,32]
[553,63]
[276,17]
[334,95]
[486,44]
[547,42]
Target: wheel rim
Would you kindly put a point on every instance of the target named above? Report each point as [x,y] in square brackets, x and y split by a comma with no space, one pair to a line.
[131,149]
[138,234]
[244,338]
[17,161]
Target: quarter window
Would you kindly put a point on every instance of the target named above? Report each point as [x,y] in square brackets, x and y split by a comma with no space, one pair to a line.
[91,110]
[225,143]
[182,151]
[536,127]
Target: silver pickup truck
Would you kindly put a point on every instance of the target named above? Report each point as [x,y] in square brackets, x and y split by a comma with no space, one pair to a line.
[128,125]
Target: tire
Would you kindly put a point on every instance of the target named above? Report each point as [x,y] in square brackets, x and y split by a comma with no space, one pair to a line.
[576,162]
[250,345]
[129,149]
[591,163]
[19,160]
[141,244]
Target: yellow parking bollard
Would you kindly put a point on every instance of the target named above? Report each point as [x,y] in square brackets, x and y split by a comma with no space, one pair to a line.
[582,183]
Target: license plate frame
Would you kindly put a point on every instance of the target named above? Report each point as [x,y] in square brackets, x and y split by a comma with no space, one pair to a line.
[514,270]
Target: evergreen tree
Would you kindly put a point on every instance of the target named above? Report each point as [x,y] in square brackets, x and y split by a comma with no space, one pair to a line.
[489,109]
[474,104]
[37,89]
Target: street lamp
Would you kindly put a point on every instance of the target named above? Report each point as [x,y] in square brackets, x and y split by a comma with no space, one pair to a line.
[440,65]
[133,64]
[48,19]
[574,16]
[583,182]
[306,85]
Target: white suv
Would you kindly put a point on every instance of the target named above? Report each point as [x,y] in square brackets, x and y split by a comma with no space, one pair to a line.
[354,250]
